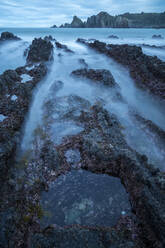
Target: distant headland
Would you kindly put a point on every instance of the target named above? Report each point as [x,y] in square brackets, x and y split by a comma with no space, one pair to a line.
[127,20]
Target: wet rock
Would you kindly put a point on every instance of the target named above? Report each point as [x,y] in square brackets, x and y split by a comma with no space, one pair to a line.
[64,47]
[104,150]
[83,63]
[149,125]
[15,99]
[153,46]
[40,50]
[113,37]
[77,236]
[147,71]
[6,36]
[158,37]
[49,38]
[102,76]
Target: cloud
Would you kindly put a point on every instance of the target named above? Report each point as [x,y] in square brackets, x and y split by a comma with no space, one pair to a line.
[44,13]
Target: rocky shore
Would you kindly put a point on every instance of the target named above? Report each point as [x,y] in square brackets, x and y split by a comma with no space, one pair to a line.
[97,146]
[147,71]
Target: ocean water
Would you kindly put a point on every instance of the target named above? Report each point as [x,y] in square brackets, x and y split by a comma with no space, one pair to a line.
[12,56]
[134,100]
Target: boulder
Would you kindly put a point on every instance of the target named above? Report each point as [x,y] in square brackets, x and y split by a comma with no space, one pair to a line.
[40,50]
[100,76]
[8,36]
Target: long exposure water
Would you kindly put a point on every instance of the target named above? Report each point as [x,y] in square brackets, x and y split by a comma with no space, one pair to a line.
[134,100]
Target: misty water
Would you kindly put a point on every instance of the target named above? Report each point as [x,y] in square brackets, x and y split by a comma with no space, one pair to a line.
[61,86]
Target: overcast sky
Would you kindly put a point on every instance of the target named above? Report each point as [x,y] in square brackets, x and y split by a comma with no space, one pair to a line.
[44,13]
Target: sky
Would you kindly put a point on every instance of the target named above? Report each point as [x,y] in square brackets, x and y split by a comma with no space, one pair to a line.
[45,13]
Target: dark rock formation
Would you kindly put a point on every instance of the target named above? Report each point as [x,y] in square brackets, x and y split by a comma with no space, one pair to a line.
[104,150]
[102,76]
[40,50]
[113,37]
[54,26]
[83,63]
[147,71]
[77,23]
[159,37]
[49,38]
[77,236]
[6,36]
[15,109]
[64,47]
[16,87]
[127,20]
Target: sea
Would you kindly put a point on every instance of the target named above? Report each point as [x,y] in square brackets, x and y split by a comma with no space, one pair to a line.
[78,195]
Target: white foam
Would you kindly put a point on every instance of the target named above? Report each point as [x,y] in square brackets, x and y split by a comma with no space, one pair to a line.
[25,78]
[2,117]
[14,98]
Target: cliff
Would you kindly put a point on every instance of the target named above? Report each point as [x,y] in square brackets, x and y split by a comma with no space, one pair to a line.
[127,20]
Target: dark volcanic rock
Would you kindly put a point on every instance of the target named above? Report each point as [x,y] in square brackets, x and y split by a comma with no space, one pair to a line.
[102,76]
[40,50]
[8,36]
[147,71]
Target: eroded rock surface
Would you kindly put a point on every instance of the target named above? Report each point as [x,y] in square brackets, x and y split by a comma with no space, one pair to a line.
[7,36]
[103,76]
[40,50]
[147,71]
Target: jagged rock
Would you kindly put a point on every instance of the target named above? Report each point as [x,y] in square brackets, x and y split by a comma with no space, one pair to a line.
[77,236]
[148,71]
[102,76]
[54,26]
[77,23]
[64,47]
[127,20]
[8,36]
[40,50]
[104,150]
[49,38]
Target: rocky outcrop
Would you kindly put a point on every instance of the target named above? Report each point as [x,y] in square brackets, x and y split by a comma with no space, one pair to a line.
[7,36]
[77,23]
[40,50]
[77,236]
[54,26]
[101,20]
[101,76]
[63,47]
[103,150]
[159,37]
[127,20]
[113,37]
[147,71]
[14,102]
[16,88]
